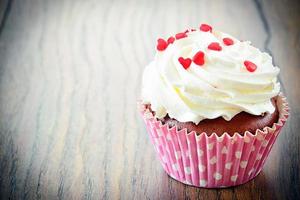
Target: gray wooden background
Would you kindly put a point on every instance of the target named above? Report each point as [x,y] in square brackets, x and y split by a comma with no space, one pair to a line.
[70,75]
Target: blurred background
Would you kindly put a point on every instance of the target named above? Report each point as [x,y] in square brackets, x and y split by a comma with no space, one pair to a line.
[70,76]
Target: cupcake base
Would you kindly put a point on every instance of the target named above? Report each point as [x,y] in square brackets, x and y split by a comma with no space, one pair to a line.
[212,187]
[189,184]
[213,161]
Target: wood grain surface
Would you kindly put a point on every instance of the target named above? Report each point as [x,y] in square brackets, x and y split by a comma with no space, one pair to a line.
[70,75]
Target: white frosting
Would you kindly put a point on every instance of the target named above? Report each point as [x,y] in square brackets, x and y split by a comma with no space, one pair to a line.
[221,87]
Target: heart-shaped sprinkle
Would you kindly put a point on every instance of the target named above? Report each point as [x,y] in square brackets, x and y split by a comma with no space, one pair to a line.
[214,46]
[198,58]
[227,41]
[250,66]
[171,40]
[205,28]
[161,44]
[180,35]
[185,62]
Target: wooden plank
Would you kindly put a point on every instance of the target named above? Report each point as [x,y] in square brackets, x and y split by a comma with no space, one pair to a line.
[3,7]
[70,74]
[284,24]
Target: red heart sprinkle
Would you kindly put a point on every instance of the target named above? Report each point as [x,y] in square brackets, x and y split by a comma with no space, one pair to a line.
[205,28]
[180,35]
[198,58]
[228,41]
[171,40]
[185,62]
[250,66]
[161,44]
[214,46]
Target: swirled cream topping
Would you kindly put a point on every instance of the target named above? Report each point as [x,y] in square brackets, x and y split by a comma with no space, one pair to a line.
[222,84]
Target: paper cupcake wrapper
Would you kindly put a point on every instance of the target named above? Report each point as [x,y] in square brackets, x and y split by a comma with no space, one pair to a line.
[213,161]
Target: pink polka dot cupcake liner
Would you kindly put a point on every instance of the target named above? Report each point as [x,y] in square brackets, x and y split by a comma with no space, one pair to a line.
[213,161]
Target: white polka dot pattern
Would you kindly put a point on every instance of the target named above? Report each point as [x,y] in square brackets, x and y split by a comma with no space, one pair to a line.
[228,165]
[175,167]
[169,137]
[217,176]
[258,157]
[224,150]
[233,178]
[201,168]
[210,146]
[203,182]
[238,154]
[213,160]
[243,164]
[200,152]
[187,170]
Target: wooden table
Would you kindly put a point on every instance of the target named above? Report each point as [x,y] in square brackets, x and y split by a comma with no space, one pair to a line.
[70,74]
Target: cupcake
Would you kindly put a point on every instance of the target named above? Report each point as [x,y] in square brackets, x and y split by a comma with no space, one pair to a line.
[212,107]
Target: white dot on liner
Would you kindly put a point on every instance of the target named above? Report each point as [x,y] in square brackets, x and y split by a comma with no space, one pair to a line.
[265,143]
[220,139]
[156,140]
[258,157]
[175,167]
[169,137]
[243,164]
[159,132]
[217,176]
[187,170]
[252,148]
[210,146]
[213,160]
[164,159]
[238,154]
[177,155]
[233,178]
[201,168]
[224,150]
[200,152]
[228,165]
[203,182]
